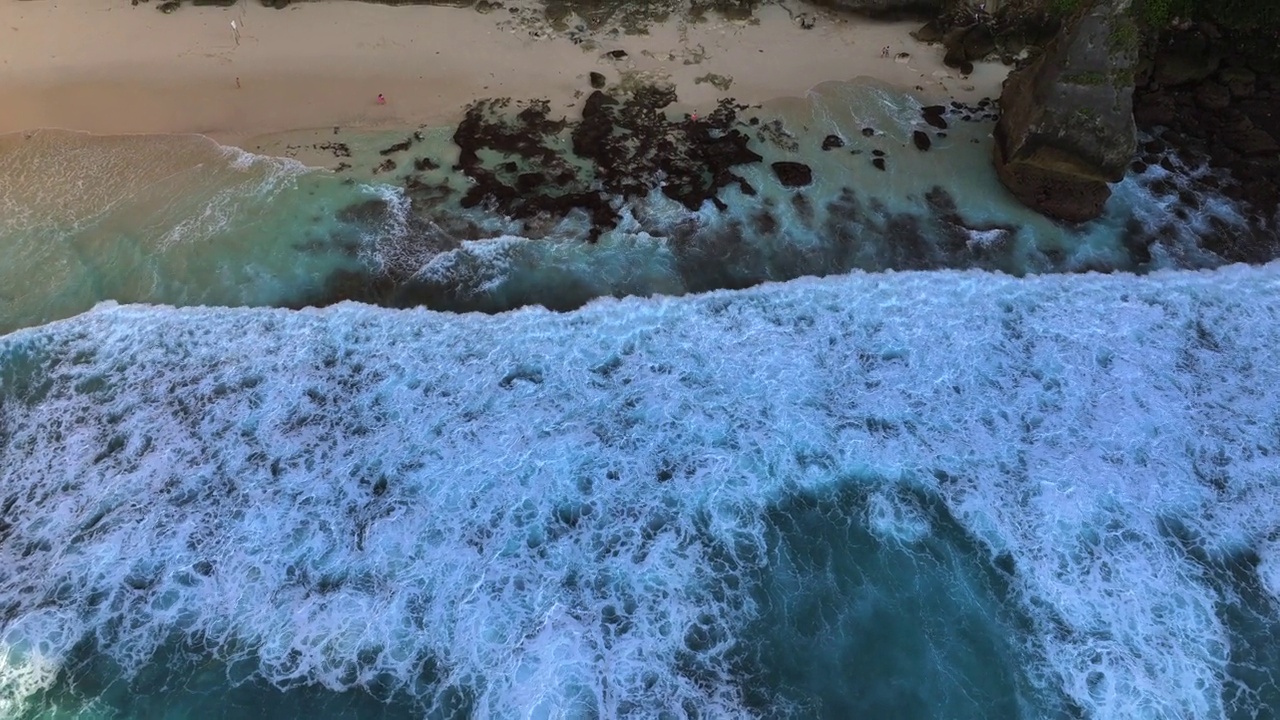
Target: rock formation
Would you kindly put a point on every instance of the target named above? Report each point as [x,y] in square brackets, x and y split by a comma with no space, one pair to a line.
[1067,127]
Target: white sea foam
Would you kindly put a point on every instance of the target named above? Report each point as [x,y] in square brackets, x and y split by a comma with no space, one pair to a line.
[545,503]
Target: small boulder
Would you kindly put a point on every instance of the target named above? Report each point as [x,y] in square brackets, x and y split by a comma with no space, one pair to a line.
[921,140]
[597,80]
[933,115]
[793,174]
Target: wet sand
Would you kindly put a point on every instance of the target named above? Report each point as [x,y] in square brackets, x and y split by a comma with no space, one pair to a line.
[105,66]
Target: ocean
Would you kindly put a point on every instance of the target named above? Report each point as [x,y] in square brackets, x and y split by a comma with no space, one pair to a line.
[181,220]
[998,485]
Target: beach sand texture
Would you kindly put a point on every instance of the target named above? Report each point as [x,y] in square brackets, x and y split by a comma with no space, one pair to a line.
[104,66]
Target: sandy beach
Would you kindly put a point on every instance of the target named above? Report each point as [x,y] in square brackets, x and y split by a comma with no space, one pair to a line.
[104,66]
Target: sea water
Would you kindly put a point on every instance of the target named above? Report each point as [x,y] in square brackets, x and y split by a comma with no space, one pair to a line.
[907,495]
[181,220]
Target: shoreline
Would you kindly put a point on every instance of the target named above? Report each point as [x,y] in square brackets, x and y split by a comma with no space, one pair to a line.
[321,65]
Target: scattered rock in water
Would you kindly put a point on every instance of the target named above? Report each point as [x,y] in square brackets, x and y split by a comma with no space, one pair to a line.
[878,153]
[961,236]
[775,133]
[424,164]
[372,212]
[804,208]
[933,115]
[385,166]
[879,163]
[921,140]
[168,6]
[832,142]
[616,54]
[868,132]
[628,142]
[597,80]
[793,174]
[398,147]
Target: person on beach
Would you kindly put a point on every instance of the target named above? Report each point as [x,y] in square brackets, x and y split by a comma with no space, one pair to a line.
[381,100]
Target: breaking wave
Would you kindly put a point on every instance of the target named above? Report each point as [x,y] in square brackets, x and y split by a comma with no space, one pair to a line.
[948,494]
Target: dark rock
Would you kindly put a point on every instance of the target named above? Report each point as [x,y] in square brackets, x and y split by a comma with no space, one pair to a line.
[878,163]
[1250,141]
[868,132]
[528,182]
[1138,167]
[930,33]
[1212,96]
[629,144]
[793,174]
[979,42]
[832,142]
[1241,82]
[598,80]
[921,140]
[616,54]
[398,147]
[1155,109]
[1185,58]
[425,164]
[933,115]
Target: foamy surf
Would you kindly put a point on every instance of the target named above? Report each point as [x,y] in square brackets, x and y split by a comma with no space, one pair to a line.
[912,495]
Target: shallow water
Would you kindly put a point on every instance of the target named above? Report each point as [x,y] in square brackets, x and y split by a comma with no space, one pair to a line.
[180,220]
[917,495]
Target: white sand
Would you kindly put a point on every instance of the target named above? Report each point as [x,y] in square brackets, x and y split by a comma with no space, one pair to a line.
[103,66]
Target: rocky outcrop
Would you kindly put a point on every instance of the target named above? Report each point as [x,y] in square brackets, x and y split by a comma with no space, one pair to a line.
[968,33]
[1227,120]
[1067,127]
[623,147]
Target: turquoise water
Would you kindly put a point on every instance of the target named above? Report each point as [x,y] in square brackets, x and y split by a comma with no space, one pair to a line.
[164,219]
[181,220]
[910,495]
